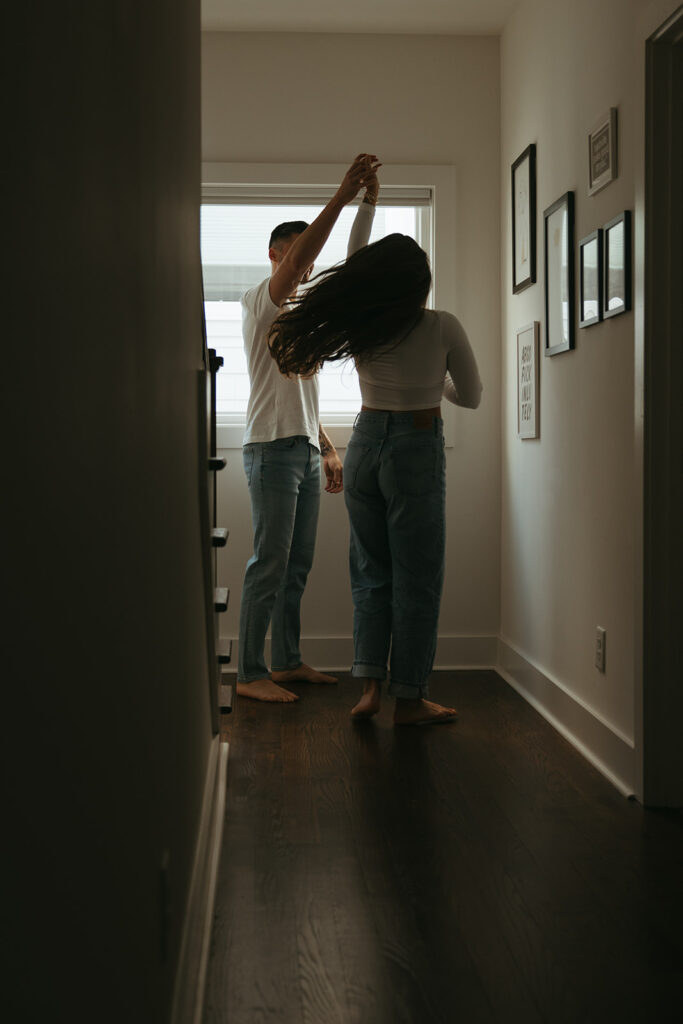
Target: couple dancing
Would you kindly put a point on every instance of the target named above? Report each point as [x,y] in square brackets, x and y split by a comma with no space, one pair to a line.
[371,309]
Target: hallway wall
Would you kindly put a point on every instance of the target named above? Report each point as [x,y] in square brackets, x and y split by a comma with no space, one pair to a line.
[305,98]
[107,732]
[570,500]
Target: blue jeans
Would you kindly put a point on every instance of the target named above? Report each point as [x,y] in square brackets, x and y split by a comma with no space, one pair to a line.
[394,487]
[284,487]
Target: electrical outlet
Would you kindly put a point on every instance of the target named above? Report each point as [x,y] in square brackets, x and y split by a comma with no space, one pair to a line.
[600,641]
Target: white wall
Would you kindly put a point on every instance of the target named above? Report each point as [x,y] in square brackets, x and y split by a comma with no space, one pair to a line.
[570,500]
[292,98]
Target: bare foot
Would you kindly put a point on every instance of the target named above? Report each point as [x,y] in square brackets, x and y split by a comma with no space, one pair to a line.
[302,674]
[422,712]
[266,690]
[369,703]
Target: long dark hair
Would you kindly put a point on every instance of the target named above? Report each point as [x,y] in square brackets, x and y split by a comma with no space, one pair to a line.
[355,309]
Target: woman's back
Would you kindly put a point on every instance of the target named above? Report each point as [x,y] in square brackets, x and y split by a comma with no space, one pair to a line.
[410,374]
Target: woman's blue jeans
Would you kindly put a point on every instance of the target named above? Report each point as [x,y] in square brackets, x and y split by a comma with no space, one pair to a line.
[394,487]
[284,487]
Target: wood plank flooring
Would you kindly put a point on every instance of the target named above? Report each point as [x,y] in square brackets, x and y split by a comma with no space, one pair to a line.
[479,873]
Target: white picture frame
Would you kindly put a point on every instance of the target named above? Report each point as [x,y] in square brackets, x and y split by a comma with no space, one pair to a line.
[528,419]
[602,152]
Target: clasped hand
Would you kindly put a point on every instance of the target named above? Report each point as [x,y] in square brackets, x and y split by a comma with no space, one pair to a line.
[334,472]
[362,173]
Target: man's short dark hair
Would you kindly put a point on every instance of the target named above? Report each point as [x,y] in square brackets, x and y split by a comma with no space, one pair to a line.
[286,230]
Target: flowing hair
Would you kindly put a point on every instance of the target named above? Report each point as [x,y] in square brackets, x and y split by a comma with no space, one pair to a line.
[355,309]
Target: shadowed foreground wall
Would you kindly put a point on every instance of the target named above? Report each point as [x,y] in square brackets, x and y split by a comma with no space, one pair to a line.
[109,730]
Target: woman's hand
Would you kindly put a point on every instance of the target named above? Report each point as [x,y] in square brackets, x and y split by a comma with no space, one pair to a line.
[372,187]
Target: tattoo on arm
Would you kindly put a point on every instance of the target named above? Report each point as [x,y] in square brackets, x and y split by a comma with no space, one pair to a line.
[326,446]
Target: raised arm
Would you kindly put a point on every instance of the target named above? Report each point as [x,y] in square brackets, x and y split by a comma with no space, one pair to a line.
[362,224]
[304,250]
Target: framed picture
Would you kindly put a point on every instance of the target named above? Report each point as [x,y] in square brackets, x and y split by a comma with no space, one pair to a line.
[590,279]
[602,152]
[527,380]
[558,244]
[524,219]
[616,284]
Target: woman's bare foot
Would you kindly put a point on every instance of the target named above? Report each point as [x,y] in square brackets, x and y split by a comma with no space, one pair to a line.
[422,712]
[369,703]
[266,690]
[302,674]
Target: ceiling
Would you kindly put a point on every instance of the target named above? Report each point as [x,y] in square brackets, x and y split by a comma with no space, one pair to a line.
[440,17]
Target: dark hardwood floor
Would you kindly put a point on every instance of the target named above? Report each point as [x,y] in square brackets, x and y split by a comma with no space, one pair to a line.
[475,872]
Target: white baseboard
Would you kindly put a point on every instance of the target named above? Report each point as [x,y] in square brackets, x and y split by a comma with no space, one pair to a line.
[188,999]
[335,654]
[607,749]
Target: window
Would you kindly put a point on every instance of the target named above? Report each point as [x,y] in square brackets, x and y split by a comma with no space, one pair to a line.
[236,222]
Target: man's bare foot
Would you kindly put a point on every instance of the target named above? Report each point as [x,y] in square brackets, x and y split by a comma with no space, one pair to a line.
[302,674]
[422,712]
[369,703]
[266,690]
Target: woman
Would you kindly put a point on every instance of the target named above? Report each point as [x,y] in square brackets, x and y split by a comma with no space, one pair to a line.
[372,309]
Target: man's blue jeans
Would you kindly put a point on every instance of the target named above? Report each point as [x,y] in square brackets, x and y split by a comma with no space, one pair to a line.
[284,487]
[394,487]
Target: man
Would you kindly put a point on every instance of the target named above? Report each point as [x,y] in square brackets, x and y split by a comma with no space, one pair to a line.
[283,444]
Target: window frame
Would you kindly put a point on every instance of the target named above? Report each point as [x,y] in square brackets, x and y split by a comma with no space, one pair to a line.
[255,179]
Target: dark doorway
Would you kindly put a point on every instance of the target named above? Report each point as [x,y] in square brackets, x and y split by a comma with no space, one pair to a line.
[663,434]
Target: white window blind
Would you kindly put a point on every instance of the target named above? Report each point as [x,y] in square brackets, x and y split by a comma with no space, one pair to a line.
[236,222]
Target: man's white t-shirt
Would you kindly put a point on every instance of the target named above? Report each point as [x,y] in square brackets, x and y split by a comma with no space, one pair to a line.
[282,406]
[278,406]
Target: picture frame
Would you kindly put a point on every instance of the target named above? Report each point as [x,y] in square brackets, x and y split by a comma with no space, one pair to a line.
[602,152]
[558,249]
[616,282]
[590,279]
[528,419]
[523,180]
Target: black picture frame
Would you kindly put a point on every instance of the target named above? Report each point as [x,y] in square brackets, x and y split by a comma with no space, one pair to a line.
[558,255]
[616,281]
[523,181]
[590,279]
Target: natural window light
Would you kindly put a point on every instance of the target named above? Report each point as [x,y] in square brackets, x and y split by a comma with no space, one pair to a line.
[234,248]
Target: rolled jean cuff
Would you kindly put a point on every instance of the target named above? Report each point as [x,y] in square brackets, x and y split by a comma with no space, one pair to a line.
[408,691]
[363,670]
[295,663]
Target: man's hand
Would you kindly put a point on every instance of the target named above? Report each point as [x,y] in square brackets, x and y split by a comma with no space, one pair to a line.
[360,173]
[334,471]
[303,251]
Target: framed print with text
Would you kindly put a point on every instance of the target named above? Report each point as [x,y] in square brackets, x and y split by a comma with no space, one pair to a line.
[524,219]
[527,380]
[558,245]
[602,152]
